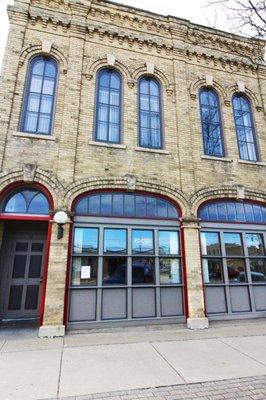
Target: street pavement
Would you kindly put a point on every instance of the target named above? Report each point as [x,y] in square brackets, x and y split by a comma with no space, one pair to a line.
[163,362]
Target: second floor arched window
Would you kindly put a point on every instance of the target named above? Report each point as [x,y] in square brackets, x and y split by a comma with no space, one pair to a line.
[40,94]
[150,118]
[244,128]
[211,123]
[108,106]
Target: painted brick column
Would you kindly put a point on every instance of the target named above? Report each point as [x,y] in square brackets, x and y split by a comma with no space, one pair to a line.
[53,319]
[195,295]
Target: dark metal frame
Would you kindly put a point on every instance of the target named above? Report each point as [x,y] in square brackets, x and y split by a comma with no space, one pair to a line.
[240,95]
[150,78]
[97,96]
[27,93]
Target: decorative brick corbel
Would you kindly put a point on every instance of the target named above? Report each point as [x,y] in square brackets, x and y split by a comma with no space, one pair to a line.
[131,183]
[29,171]
[47,46]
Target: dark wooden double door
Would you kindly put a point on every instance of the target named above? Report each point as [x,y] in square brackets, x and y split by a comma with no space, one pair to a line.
[22,262]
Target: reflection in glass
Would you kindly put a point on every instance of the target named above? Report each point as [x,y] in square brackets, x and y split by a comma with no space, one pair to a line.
[236,270]
[170,270]
[168,242]
[115,240]
[143,271]
[86,240]
[142,242]
[212,270]
[255,244]
[258,270]
[210,244]
[233,244]
[114,270]
[84,271]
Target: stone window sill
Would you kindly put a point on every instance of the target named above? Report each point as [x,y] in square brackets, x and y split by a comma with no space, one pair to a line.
[104,144]
[146,149]
[252,162]
[223,159]
[33,136]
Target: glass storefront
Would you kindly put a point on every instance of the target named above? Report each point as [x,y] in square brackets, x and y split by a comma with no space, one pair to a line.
[125,269]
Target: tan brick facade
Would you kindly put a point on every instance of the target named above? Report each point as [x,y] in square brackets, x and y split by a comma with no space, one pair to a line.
[81,36]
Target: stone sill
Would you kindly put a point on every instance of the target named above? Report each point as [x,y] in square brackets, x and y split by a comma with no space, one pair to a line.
[259,163]
[147,150]
[103,144]
[33,136]
[223,159]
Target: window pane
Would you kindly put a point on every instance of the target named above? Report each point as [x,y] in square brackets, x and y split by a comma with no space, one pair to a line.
[104,95]
[233,244]
[35,266]
[143,271]
[50,69]
[129,205]
[32,297]
[115,80]
[140,206]
[94,204]
[48,86]
[151,204]
[36,84]
[210,244]
[236,270]
[212,270]
[115,240]
[115,98]
[44,123]
[258,270]
[15,297]
[33,102]
[86,240]
[103,113]
[113,133]
[19,266]
[142,242]
[114,270]
[155,104]
[31,122]
[46,104]
[144,86]
[255,244]
[84,271]
[168,242]
[170,271]
[39,205]
[118,204]
[38,67]
[16,204]
[154,89]
[106,204]
[144,102]
[144,137]
[162,209]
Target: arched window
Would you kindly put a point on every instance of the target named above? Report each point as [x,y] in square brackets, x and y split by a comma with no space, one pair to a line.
[233,211]
[26,201]
[150,118]
[126,205]
[244,128]
[211,123]
[108,106]
[40,96]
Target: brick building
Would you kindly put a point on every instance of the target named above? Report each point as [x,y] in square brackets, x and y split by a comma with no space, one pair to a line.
[148,133]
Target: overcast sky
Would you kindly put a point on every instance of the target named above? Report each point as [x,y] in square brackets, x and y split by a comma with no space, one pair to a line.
[194,10]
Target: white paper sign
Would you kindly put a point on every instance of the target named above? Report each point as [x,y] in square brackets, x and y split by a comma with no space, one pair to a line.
[85,272]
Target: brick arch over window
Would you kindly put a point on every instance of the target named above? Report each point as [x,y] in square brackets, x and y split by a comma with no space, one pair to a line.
[92,69]
[232,90]
[35,50]
[225,192]
[48,183]
[126,184]
[199,84]
[158,74]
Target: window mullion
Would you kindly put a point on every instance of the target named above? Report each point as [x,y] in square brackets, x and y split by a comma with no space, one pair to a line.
[39,110]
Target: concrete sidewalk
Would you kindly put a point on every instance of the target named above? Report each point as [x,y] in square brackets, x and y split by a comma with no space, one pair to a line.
[128,359]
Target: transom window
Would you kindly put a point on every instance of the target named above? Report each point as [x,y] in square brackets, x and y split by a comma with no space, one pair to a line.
[108,106]
[26,201]
[150,118]
[244,128]
[126,205]
[40,96]
[233,211]
[211,123]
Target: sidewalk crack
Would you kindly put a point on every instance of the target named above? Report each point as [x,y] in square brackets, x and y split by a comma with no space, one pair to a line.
[60,370]
[242,352]
[168,363]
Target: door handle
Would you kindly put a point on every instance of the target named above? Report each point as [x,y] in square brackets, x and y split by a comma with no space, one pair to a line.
[41,280]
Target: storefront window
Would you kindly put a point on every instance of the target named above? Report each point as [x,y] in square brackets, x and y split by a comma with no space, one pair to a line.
[86,240]
[168,243]
[115,241]
[142,242]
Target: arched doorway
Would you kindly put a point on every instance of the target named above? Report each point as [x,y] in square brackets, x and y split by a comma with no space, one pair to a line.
[233,239]
[24,252]
[126,261]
